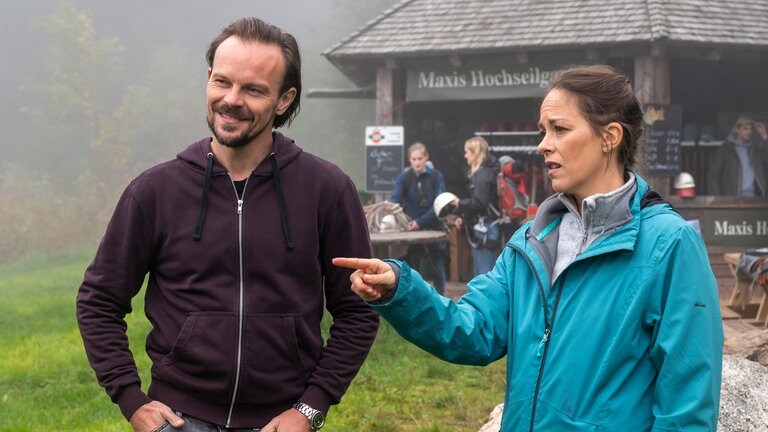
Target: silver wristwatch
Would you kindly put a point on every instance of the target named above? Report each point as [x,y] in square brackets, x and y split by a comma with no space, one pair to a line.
[316,418]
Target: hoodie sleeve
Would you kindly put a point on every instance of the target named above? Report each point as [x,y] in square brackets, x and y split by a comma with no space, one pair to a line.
[110,282]
[354,323]
[688,346]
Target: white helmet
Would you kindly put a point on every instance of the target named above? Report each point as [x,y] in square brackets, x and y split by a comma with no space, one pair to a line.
[443,204]
[685,186]
[684,180]
[388,224]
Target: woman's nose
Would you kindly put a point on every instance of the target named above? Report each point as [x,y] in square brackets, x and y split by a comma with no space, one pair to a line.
[544,145]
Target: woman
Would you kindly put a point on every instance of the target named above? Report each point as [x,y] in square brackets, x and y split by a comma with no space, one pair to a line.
[415,190]
[482,193]
[604,305]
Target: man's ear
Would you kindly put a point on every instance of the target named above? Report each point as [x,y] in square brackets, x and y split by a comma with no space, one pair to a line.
[209,73]
[613,133]
[286,99]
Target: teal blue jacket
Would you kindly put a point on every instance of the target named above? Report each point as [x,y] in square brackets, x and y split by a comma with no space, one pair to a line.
[628,338]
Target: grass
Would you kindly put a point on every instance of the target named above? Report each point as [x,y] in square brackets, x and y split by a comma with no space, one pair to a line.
[47,384]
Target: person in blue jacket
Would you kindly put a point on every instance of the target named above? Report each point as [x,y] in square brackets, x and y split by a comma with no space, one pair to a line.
[415,189]
[604,305]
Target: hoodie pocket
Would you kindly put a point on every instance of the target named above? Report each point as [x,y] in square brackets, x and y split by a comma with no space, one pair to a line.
[273,366]
[202,360]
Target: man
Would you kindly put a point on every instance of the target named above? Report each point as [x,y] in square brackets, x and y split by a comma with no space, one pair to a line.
[415,190]
[739,166]
[237,235]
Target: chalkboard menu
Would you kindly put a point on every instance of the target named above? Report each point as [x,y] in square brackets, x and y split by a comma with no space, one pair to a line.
[382,165]
[662,124]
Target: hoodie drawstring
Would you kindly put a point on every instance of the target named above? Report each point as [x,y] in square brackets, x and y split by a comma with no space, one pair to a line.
[204,202]
[281,201]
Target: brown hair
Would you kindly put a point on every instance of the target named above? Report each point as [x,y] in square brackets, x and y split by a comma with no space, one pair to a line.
[604,96]
[255,30]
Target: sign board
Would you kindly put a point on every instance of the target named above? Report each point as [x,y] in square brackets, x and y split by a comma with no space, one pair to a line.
[662,125]
[383,157]
[727,227]
[481,78]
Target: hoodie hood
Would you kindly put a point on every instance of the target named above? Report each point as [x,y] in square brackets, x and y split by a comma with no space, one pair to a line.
[284,148]
[200,155]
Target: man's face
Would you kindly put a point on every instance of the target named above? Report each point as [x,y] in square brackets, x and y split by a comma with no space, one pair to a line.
[243,92]
[744,131]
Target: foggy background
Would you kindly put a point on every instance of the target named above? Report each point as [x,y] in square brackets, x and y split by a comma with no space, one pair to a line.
[94,92]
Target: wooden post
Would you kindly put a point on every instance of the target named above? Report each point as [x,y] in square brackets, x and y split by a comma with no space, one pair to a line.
[652,81]
[389,104]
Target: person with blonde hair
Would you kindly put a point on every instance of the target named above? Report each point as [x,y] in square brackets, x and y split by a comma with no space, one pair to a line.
[476,208]
[604,306]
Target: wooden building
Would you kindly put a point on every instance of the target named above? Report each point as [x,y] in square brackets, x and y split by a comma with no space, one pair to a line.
[450,69]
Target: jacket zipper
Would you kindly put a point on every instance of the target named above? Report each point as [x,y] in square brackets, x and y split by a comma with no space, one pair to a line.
[545,340]
[240,318]
[544,344]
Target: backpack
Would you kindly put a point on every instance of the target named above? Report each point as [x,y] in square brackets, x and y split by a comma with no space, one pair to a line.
[513,200]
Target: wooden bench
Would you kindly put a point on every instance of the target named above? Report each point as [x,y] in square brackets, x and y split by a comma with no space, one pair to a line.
[741,296]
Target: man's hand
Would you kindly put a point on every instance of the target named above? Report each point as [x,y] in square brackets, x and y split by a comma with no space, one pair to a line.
[289,421]
[413,225]
[372,278]
[151,416]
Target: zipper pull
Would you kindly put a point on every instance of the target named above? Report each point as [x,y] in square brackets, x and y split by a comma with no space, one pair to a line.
[239,206]
[543,342]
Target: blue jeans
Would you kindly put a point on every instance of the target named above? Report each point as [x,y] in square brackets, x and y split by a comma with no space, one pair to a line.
[483,259]
[192,424]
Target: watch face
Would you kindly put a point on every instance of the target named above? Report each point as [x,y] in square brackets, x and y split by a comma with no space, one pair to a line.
[318,420]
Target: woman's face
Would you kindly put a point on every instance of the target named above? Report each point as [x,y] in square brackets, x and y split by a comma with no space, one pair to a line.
[573,152]
[469,155]
[418,160]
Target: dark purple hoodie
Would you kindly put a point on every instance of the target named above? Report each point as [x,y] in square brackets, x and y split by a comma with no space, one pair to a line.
[235,313]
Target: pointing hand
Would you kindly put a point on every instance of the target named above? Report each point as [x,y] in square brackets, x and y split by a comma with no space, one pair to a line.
[372,279]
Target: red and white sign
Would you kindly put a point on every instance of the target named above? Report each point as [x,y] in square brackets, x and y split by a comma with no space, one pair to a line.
[384,135]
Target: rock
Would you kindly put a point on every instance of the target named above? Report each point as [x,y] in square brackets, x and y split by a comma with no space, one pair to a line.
[743,393]
[494,422]
[742,396]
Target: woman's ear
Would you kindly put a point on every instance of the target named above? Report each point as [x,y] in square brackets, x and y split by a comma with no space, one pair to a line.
[613,133]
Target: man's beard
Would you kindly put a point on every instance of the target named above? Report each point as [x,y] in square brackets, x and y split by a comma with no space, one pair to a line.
[239,113]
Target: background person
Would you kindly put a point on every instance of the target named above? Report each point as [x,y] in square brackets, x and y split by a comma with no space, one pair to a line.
[237,235]
[415,189]
[482,192]
[605,305]
[739,166]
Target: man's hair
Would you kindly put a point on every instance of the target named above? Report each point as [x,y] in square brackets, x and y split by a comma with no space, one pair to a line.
[605,95]
[255,30]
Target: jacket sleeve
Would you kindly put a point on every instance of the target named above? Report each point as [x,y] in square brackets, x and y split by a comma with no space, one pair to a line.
[354,323]
[688,346]
[472,332]
[110,282]
[398,191]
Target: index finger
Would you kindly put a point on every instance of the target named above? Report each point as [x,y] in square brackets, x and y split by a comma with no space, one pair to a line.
[354,263]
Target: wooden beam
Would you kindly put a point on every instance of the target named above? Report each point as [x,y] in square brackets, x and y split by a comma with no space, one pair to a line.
[652,84]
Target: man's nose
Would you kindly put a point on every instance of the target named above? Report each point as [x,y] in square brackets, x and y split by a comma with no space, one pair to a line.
[232,97]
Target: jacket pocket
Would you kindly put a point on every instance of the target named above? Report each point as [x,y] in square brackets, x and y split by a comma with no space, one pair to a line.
[202,360]
[273,366]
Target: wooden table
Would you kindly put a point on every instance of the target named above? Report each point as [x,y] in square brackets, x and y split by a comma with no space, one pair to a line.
[385,245]
[741,294]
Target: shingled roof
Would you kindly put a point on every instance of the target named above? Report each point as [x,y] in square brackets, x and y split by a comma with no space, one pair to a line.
[435,27]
